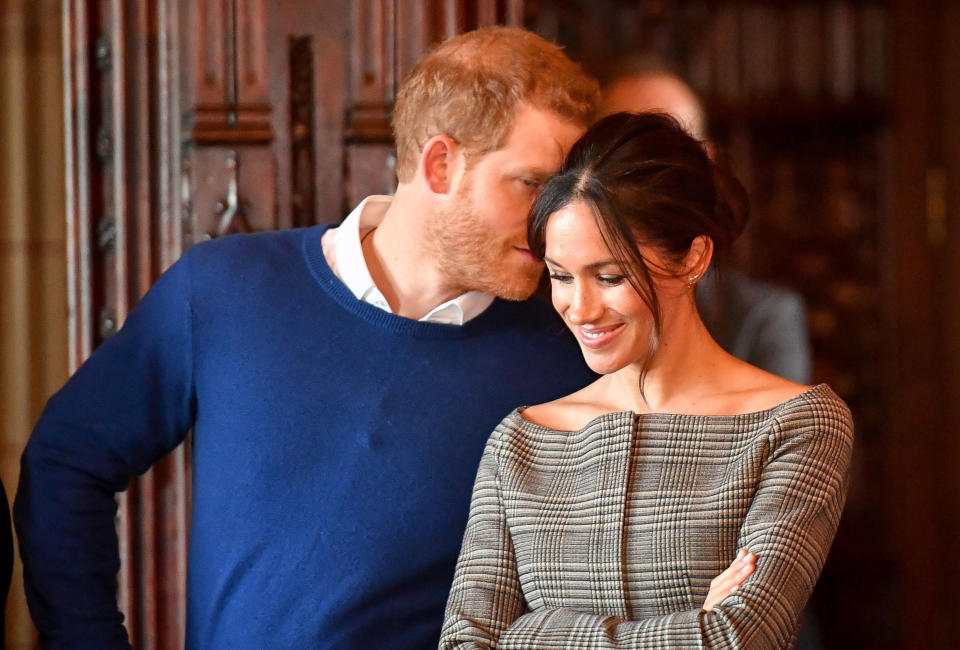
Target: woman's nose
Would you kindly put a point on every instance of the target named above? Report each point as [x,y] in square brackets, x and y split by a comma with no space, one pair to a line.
[584,306]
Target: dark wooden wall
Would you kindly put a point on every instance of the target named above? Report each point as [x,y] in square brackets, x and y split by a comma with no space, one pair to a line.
[193,119]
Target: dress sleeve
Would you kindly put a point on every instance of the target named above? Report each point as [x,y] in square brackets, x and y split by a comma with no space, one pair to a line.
[129,405]
[790,526]
[486,595]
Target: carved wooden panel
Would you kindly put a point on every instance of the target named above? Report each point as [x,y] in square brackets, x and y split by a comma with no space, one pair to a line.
[372,70]
[121,207]
[231,191]
[213,56]
[227,54]
[302,148]
[388,37]
[307,68]
[79,163]
[251,54]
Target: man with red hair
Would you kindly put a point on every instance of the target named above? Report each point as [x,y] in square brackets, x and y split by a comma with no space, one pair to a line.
[340,384]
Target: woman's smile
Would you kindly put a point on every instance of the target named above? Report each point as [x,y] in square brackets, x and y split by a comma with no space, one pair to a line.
[591,292]
[596,337]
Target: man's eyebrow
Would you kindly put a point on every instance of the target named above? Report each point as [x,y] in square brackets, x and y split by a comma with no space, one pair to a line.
[535,173]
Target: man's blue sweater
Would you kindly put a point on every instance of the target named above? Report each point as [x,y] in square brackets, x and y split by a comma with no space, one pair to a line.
[334,451]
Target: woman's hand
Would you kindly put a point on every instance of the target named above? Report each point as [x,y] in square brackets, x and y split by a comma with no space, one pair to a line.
[729,581]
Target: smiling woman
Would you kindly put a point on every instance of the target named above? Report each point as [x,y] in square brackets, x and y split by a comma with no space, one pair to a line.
[685,498]
[659,205]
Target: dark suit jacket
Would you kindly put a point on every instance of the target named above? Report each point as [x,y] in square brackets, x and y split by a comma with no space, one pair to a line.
[760,323]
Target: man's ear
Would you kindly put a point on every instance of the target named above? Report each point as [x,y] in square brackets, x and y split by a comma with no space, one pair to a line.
[697,259]
[438,163]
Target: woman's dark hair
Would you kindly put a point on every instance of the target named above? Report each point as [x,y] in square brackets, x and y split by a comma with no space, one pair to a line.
[646,181]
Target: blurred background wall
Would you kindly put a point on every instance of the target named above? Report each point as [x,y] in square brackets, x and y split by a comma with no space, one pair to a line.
[129,129]
[33,276]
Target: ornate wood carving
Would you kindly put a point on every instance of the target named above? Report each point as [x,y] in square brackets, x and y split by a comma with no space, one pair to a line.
[119,202]
[302,158]
[230,191]
[251,53]
[326,24]
[390,36]
[78,161]
[231,102]
[372,71]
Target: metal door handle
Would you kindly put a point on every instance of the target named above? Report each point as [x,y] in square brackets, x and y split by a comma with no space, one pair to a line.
[230,206]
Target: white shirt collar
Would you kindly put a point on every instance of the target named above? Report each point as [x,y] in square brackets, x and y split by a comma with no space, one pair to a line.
[353,271]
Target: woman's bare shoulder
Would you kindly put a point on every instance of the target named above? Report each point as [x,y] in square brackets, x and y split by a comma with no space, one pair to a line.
[569,413]
[759,390]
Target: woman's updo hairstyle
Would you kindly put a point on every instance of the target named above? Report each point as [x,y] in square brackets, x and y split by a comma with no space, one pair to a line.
[647,181]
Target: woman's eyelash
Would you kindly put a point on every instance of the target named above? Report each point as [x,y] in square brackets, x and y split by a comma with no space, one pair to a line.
[609,280]
[612,279]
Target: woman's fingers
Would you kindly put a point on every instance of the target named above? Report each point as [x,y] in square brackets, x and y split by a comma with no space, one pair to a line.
[741,567]
[730,580]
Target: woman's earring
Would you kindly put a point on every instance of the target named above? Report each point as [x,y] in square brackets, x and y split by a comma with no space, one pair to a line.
[692,280]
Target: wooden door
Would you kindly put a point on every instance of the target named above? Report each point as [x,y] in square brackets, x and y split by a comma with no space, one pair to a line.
[193,119]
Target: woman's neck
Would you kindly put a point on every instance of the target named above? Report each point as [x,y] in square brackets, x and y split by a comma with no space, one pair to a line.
[681,375]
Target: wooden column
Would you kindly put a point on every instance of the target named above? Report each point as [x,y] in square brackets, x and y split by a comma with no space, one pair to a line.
[950,293]
[922,439]
[123,223]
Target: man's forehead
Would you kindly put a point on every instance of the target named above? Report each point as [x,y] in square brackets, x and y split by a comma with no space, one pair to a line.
[541,131]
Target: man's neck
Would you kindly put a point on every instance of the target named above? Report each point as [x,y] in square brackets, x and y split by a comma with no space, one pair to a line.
[399,263]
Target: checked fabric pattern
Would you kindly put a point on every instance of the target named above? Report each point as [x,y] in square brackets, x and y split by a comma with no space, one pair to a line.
[608,537]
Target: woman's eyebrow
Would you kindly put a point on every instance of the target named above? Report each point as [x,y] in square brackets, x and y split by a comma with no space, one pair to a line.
[589,267]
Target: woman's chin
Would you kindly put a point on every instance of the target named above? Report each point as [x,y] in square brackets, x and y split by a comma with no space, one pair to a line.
[604,366]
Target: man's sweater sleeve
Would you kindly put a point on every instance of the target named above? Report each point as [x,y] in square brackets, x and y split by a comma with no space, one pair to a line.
[129,405]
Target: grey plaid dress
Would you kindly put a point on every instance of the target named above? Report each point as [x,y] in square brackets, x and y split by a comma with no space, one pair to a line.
[608,537]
